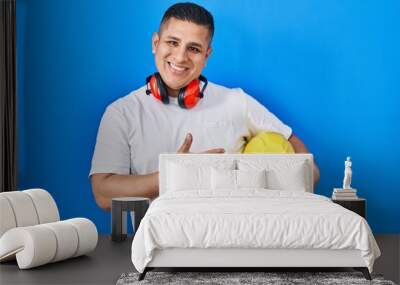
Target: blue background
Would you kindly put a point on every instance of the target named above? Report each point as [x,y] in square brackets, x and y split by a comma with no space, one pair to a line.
[329,69]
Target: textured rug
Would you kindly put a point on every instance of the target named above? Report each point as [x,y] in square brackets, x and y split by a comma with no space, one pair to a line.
[244,278]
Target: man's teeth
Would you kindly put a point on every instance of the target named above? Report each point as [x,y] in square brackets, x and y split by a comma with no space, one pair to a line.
[177,68]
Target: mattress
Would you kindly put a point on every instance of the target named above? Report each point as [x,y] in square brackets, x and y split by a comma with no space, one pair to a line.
[250,219]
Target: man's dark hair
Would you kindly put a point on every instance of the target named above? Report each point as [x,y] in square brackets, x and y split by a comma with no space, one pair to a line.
[192,13]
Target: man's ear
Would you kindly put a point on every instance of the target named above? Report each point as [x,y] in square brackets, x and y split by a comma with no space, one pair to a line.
[154,42]
[208,52]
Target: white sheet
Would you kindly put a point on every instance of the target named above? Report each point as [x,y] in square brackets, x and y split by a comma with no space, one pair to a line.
[251,218]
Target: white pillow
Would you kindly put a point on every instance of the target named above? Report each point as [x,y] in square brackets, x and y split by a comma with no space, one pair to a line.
[223,179]
[281,174]
[237,179]
[293,179]
[181,177]
[251,178]
[187,173]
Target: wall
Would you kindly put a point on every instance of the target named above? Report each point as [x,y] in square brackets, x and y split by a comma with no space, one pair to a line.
[329,69]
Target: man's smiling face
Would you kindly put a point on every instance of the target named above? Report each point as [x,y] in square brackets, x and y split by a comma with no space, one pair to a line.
[181,50]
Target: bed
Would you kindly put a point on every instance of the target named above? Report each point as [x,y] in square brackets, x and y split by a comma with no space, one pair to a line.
[242,211]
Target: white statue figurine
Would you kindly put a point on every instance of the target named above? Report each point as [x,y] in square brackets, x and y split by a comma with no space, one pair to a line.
[347,174]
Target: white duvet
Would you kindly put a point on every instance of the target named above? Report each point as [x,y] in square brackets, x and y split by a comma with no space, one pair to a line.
[250,218]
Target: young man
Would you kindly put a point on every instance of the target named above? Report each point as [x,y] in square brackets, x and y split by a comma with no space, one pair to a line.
[172,114]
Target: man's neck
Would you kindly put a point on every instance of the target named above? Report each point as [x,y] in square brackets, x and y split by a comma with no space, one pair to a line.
[172,92]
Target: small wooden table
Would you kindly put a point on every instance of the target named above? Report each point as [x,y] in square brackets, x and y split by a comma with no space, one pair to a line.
[357,205]
[119,208]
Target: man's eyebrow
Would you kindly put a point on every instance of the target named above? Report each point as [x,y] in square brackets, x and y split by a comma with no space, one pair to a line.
[193,44]
[173,38]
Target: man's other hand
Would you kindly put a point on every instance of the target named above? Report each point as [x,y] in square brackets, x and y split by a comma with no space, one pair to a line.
[187,143]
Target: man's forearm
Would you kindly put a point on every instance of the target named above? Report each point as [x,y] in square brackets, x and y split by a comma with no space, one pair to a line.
[107,186]
[300,147]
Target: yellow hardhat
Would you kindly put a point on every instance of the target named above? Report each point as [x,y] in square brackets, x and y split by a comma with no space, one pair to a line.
[268,142]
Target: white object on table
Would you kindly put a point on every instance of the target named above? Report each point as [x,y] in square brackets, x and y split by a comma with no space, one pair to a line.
[347,173]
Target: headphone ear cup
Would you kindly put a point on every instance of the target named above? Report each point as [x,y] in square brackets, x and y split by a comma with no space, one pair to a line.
[191,94]
[152,82]
[161,87]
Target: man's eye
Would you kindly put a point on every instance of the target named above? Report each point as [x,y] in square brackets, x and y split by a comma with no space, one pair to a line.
[172,43]
[194,50]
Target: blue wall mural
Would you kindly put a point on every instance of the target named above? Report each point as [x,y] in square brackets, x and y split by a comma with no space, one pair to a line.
[329,69]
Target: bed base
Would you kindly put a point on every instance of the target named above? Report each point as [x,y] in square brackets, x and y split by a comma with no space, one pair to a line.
[364,270]
[242,259]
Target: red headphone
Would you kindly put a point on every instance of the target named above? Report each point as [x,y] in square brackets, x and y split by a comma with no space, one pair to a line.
[188,96]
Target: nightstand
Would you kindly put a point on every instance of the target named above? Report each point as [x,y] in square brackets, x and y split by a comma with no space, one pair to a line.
[119,208]
[358,205]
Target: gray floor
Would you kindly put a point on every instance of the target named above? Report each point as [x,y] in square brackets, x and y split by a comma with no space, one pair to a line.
[389,262]
[110,260]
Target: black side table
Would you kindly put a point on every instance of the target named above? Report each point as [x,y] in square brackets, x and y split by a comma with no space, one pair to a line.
[119,208]
[358,205]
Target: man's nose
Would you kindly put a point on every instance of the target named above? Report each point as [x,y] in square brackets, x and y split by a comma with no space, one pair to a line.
[180,54]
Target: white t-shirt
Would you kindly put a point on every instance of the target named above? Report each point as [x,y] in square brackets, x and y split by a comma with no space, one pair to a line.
[136,128]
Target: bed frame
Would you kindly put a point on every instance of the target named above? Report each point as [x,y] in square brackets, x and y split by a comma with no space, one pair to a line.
[246,258]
